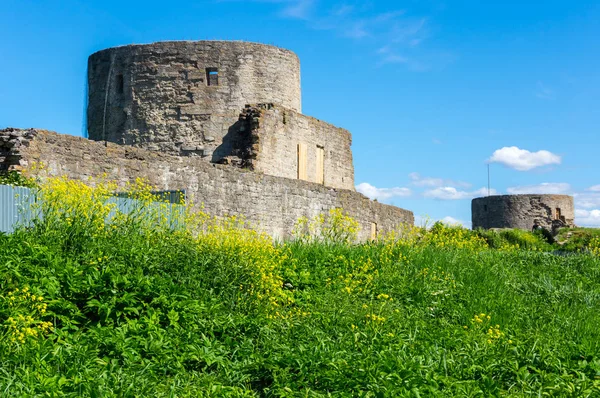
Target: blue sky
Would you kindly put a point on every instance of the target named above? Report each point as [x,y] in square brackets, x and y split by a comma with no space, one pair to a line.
[431,90]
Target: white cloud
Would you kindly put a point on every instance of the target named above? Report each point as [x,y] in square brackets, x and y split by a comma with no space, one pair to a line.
[595,188]
[451,193]
[587,200]
[299,9]
[427,222]
[420,181]
[382,193]
[544,92]
[556,188]
[398,35]
[448,220]
[587,218]
[522,159]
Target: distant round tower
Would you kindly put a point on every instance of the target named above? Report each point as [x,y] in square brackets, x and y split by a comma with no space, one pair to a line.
[523,211]
[183,96]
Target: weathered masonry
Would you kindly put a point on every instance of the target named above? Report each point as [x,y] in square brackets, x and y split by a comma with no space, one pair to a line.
[224,102]
[272,204]
[523,211]
[221,120]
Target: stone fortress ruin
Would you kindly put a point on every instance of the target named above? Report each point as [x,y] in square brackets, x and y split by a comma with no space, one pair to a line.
[222,120]
[550,212]
[219,119]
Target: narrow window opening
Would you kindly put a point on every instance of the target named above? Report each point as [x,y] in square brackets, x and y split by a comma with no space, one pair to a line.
[484,207]
[558,213]
[120,84]
[212,76]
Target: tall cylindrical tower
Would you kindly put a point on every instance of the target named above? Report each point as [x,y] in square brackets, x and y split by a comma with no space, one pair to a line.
[183,96]
[523,211]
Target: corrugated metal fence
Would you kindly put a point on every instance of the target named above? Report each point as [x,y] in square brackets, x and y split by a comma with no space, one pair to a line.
[16,206]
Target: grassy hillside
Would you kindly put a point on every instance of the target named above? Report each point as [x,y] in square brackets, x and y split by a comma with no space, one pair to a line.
[135,307]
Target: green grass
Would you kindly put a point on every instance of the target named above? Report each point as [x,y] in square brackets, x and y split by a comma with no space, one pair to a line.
[141,310]
[578,239]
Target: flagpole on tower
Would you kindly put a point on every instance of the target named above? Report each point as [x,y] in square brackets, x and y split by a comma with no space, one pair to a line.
[488,179]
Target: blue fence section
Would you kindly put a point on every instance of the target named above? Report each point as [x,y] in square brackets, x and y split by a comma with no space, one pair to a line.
[16,207]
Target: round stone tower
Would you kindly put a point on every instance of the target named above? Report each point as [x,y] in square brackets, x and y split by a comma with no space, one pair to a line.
[523,211]
[182,97]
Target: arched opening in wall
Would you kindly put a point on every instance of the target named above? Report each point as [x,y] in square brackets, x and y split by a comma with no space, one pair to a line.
[212,76]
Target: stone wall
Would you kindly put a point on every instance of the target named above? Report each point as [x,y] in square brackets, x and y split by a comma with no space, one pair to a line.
[164,96]
[523,211]
[267,141]
[273,204]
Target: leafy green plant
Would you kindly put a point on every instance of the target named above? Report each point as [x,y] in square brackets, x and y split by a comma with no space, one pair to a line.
[131,306]
[15,178]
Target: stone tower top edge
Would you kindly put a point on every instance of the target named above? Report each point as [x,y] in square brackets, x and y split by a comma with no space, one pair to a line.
[525,195]
[177,43]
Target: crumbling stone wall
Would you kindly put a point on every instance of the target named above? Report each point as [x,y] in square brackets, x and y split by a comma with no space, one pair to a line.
[523,211]
[164,96]
[267,141]
[273,204]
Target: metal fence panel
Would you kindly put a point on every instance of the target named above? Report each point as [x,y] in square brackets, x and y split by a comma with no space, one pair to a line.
[16,207]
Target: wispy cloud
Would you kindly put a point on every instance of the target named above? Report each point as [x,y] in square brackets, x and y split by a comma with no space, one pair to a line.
[522,159]
[300,9]
[449,220]
[427,222]
[396,36]
[544,92]
[594,188]
[420,181]
[373,192]
[587,218]
[556,188]
[587,200]
[451,193]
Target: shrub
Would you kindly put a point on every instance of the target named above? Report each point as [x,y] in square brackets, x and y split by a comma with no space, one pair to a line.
[97,301]
[17,179]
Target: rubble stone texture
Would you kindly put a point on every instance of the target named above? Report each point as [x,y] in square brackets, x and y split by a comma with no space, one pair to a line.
[220,120]
[271,204]
[165,96]
[266,141]
[523,211]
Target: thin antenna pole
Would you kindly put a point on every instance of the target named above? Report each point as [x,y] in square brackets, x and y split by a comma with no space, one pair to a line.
[488,179]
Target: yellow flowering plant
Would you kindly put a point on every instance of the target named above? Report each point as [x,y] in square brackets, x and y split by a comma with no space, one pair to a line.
[25,314]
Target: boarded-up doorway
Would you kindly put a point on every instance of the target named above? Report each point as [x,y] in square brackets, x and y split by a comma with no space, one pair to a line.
[373,231]
[302,155]
[320,165]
